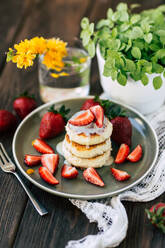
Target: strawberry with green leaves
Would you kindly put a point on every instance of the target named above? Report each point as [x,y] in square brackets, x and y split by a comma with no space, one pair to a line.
[53,122]
[156,215]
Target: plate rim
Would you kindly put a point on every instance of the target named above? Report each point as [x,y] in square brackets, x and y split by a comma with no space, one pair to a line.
[76,196]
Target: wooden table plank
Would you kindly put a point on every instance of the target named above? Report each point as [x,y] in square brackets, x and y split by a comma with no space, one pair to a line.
[64,222]
[11,23]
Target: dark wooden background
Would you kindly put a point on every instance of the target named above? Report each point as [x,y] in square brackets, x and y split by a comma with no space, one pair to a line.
[20,225]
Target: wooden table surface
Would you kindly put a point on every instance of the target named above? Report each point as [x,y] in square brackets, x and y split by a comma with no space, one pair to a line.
[20,224]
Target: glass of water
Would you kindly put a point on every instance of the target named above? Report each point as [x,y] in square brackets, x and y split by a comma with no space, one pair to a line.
[72,81]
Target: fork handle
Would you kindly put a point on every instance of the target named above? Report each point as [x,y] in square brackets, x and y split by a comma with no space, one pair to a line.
[38,206]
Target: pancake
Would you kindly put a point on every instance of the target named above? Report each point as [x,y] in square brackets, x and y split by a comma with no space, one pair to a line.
[84,151]
[94,162]
[89,134]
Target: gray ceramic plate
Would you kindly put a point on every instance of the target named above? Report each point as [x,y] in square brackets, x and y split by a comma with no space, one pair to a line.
[78,188]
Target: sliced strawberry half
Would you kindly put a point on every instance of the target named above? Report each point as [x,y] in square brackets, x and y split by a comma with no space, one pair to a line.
[122,154]
[42,147]
[32,160]
[93,177]
[82,119]
[69,172]
[136,154]
[47,176]
[120,175]
[99,115]
[50,161]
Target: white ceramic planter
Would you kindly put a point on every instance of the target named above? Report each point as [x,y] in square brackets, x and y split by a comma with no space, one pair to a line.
[144,98]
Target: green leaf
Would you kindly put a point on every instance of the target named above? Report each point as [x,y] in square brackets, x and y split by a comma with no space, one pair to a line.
[157,82]
[102,23]
[91,28]
[136,53]
[135,18]
[124,27]
[154,47]
[84,23]
[135,5]
[10,55]
[135,33]
[122,7]
[114,74]
[144,79]
[121,78]
[145,26]
[122,47]
[129,45]
[115,16]
[91,48]
[114,32]
[160,54]
[85,35]
[160,32]
[130,65]
[148,38]
[107,71]
[157,68]
[109,13]
[124,17]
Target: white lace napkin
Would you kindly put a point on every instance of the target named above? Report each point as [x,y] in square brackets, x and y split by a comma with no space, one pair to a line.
[110,213]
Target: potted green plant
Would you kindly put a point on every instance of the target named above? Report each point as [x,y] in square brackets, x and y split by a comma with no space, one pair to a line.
[130,50]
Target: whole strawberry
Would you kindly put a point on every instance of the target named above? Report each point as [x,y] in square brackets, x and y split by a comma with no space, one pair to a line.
[89,103]
[24,104]
[156,215]
[7,120]
[122,130]
[53,122]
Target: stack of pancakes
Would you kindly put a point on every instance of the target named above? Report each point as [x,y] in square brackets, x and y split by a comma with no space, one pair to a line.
[88,146]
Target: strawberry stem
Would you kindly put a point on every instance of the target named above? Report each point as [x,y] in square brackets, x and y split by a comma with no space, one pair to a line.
[25,94]
[62,111]
[111,110]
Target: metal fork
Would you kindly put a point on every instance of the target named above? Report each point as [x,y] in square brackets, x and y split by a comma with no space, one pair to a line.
[7,166]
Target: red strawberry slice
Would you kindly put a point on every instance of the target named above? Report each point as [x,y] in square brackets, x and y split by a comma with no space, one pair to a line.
[69,172]
[120,175]
[89,103]
[136,154]
[50,161]
[32,160]
[99,115]
[47,176]
[42,147]
[84,118]
[122,154]
[92,176]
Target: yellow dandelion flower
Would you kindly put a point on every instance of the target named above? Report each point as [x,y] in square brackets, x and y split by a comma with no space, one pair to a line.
[23,60]
[25,52]
[39,45]
[53,60]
